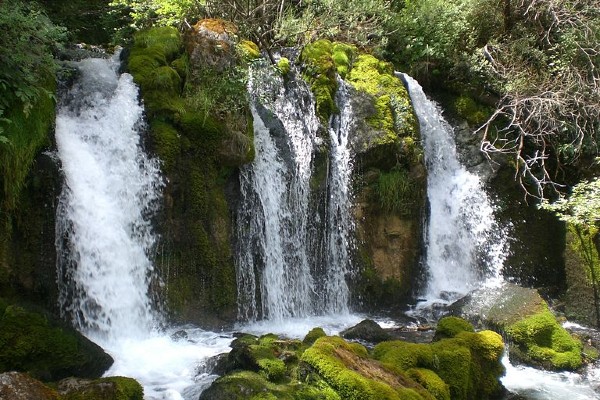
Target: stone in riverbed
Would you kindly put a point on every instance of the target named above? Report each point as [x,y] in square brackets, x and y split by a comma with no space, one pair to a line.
[368,331]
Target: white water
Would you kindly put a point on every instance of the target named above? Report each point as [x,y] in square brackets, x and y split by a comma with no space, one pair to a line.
[292,261]
[465,246]
[340,224]
[105,240]
[534,384]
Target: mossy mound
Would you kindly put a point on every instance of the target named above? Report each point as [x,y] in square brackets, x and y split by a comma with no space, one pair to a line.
[30,342]
[111,388]
[469,363]
[535,335]
[451,326]
[540,339]
[394,114]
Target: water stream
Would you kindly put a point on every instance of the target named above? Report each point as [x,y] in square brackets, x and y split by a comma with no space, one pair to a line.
[465,247]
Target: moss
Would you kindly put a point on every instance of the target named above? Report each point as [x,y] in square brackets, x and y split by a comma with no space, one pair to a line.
[319,71]
[166,142]
[343,56]
[313,335]
[469,363]
[283,65]
[541,338]
[273,369]
[394,114]
[248,50]
[30,343]
[473,112]
[165,38]
[430,381]
[449,327]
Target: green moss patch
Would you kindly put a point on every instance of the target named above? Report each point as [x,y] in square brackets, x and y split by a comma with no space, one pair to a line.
[449,327]
[394,114]
[469,364]
[542,339]
[29,342]
[111,388]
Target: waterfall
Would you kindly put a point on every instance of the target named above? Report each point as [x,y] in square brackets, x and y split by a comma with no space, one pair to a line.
[464,244]
[104,235]
[292,244]
[339,221]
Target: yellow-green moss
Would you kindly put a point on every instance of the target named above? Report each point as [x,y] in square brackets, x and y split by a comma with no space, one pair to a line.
[343,56]
[470,110]
[430,381]
[165,38]
[111,388]
[394,114]
[544,340]
[469,363]
[166,142]
[449,327]
[248,50]
[313,335]
[319,71]
[283,65]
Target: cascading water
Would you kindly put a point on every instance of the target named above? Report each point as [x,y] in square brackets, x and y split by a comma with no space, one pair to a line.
[105,240]
[339,221]
[111,188]
[464,244]
[292,260]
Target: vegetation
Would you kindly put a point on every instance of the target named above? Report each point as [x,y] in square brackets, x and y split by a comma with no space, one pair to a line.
[27,71]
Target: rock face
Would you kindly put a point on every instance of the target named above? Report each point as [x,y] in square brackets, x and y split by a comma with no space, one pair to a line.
[111,388]
[536,337]
[19,386]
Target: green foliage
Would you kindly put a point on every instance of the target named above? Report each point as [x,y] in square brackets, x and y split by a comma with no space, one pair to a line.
[582,207]
[545,341]
[397,192]
[142,14]
[473,112]
[27,71]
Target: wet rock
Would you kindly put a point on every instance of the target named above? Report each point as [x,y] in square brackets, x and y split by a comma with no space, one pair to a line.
[367,331]
[111,388]
[20,386]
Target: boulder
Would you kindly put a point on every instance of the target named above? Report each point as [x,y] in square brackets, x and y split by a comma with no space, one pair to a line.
[20,386]
[535,335]
[367,331]
[34,343]
[111,388]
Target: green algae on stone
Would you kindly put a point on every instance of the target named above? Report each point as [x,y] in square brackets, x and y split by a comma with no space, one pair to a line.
[110,388]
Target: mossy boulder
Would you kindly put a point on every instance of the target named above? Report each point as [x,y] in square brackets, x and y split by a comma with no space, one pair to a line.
[313,335]
[449,327]
[33,343]
[20,386]
[469,363]
[535,335]
[111,388]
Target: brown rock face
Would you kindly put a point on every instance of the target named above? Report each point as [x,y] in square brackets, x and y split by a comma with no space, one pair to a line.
[212,43]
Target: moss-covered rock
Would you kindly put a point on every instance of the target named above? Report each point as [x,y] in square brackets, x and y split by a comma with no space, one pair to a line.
[469,363]
[449,327]
[366,330]
[313,335]
[111,388]
[31,342]
[535,335]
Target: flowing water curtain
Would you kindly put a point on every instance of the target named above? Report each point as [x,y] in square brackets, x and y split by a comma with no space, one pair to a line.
[104,233]
[465,245]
